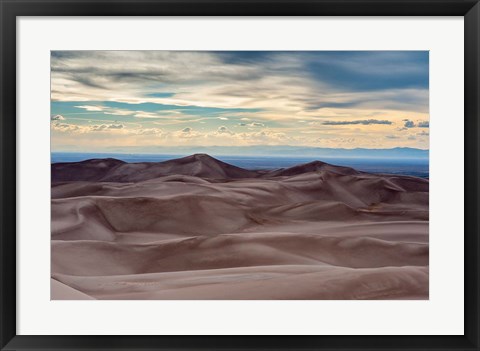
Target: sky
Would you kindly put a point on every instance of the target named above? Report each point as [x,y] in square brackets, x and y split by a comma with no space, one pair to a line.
[136,100]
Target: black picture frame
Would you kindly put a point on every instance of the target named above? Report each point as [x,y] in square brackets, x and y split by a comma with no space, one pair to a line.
[10,10]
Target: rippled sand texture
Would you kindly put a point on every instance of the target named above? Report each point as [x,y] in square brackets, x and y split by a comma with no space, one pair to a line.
[198,228]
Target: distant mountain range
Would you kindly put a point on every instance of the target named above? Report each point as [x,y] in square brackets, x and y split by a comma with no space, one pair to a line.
[280,150]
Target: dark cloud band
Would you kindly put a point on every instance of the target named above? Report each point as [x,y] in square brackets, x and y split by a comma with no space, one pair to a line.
[361,121]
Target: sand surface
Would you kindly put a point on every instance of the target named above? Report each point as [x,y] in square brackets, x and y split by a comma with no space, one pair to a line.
[198,228]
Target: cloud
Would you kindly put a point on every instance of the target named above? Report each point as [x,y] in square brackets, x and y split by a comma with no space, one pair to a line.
[57,118]
[408,123]
[147,131]
[120,112]
[143,114]
[299,81]
[160,95]
[116,126]
[253,124]
[65,127]
[187,133]
[423,133]
[91,108]
[103,127]
[371,70]
[117,111]
[106,128]
[136,75]
[363,122]
[156,111]
[223,118]
[224,130]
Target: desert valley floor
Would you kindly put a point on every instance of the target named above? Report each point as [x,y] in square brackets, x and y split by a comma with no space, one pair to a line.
[197,228]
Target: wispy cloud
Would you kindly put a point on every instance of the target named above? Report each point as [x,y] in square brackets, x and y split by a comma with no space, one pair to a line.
[91,108]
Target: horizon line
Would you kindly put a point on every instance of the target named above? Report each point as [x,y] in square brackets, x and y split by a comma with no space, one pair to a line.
[247,146]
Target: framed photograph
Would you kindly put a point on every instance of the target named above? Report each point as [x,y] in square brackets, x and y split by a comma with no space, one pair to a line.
[225,175]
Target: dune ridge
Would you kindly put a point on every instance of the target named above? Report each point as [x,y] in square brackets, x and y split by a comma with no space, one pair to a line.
[199,228]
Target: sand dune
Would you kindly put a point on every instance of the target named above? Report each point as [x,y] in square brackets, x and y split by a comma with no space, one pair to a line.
[91,170]
[312,167]
[61,291]
[280,282]
[233,250]
[198,228]
[110,170]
